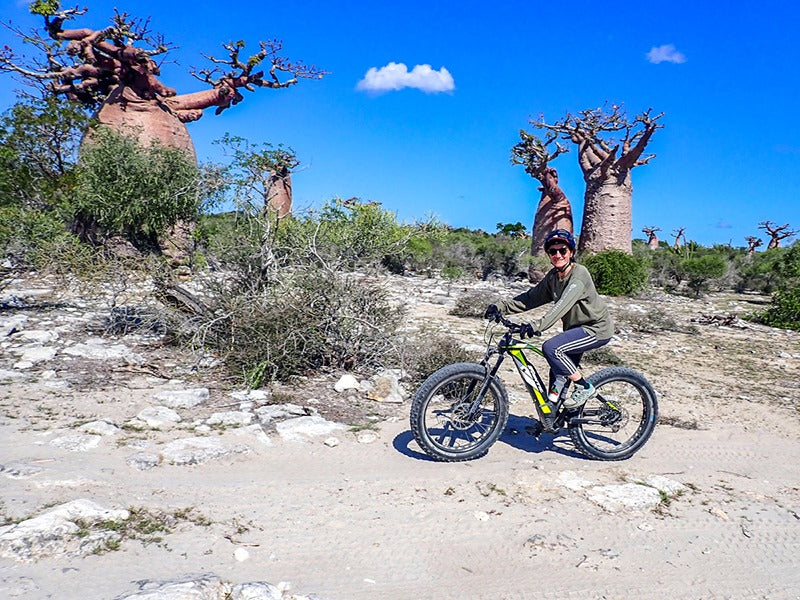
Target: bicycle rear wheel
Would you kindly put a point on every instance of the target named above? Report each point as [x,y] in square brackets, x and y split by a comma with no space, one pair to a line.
[620,419]
[449,420]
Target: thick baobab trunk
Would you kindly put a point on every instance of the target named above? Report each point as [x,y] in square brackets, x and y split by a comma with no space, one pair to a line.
[554,211]
[125,112]
[607,219]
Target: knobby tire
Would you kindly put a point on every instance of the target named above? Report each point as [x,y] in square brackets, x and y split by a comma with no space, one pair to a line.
[440,423]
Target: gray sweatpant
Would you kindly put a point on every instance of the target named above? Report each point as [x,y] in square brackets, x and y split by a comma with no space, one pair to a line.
[563,351]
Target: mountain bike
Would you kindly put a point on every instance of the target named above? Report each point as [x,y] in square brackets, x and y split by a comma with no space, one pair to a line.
[462,409]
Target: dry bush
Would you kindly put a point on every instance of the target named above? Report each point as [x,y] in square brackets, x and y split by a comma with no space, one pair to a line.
[654,321]
[473,303]
[428,353]
[305,321]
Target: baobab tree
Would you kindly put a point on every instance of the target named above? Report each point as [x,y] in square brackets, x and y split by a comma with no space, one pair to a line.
[678,234]
[776,233]
[609,146]
[652,240]
[113,71]
[554,210]
[752,243]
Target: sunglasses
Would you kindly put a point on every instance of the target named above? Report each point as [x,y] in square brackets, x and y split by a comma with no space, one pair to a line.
[554,251]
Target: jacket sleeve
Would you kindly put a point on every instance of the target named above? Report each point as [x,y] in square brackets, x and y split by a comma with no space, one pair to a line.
[571,295]
[535,296]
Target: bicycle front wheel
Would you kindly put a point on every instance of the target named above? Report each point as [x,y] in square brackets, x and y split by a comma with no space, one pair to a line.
[620,419]
[457,414]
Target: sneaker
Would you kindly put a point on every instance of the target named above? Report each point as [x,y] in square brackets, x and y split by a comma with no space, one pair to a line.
[579,397]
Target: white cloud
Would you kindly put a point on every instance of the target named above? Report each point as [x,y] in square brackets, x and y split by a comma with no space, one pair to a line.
[396,76]
[665,53]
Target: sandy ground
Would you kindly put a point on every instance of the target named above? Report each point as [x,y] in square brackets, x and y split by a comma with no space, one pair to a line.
[381,520]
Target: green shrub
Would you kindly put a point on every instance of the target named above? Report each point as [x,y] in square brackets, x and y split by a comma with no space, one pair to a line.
[39,141]
[38,239]
[616,273]
[784,311]
[702,270]
[135,191]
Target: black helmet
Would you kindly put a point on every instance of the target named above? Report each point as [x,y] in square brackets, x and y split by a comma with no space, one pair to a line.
[559,235]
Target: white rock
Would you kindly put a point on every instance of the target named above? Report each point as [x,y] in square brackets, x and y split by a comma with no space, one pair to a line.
[159,417]
[76,442]
[6,376]
[366,437]
[230,418]
[386,388]
[98,349]
[301,428]
[331,442]
[481,515]
[209,587]
[625,496]
[258,591]
[36,336]
[255,431]
[573,481]
[346,382]
[143,461]
[197,450]
[271,412]
[12,324]
[241,555]
[35,354]
[669,486]
[182,398]
[53,532]
[99,428]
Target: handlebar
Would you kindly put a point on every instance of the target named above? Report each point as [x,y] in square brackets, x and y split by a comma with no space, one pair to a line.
[513,328]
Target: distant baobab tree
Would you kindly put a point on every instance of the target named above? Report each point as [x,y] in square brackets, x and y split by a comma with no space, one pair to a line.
[678,234]
[554,210]
[652,240]
[610,145]
[752,243]
[776,233]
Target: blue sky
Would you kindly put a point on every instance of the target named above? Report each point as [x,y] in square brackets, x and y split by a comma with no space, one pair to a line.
[474,73]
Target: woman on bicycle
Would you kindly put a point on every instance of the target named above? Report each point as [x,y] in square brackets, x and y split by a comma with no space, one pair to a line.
[584,316]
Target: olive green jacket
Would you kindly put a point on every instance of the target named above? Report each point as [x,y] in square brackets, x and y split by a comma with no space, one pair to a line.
[577,303]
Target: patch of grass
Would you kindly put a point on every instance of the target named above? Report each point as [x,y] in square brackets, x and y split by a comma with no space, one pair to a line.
[145,525]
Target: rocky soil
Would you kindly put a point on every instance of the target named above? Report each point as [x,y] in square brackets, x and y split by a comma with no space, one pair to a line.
[129,469]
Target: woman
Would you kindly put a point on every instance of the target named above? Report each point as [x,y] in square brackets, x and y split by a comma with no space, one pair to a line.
[584,316]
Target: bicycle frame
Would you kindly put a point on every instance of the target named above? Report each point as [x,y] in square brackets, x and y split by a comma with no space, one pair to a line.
[550,415]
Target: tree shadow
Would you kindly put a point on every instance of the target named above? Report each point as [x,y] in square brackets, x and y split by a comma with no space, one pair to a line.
[514,435]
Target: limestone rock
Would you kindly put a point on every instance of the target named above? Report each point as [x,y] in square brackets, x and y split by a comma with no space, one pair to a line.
[197,450]
[302,428]
[182,398]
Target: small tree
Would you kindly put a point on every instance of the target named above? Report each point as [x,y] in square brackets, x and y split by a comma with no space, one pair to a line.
[554,210]
[259,177]
[701,270]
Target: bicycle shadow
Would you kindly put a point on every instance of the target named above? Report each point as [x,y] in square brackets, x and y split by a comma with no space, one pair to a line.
[514,435]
